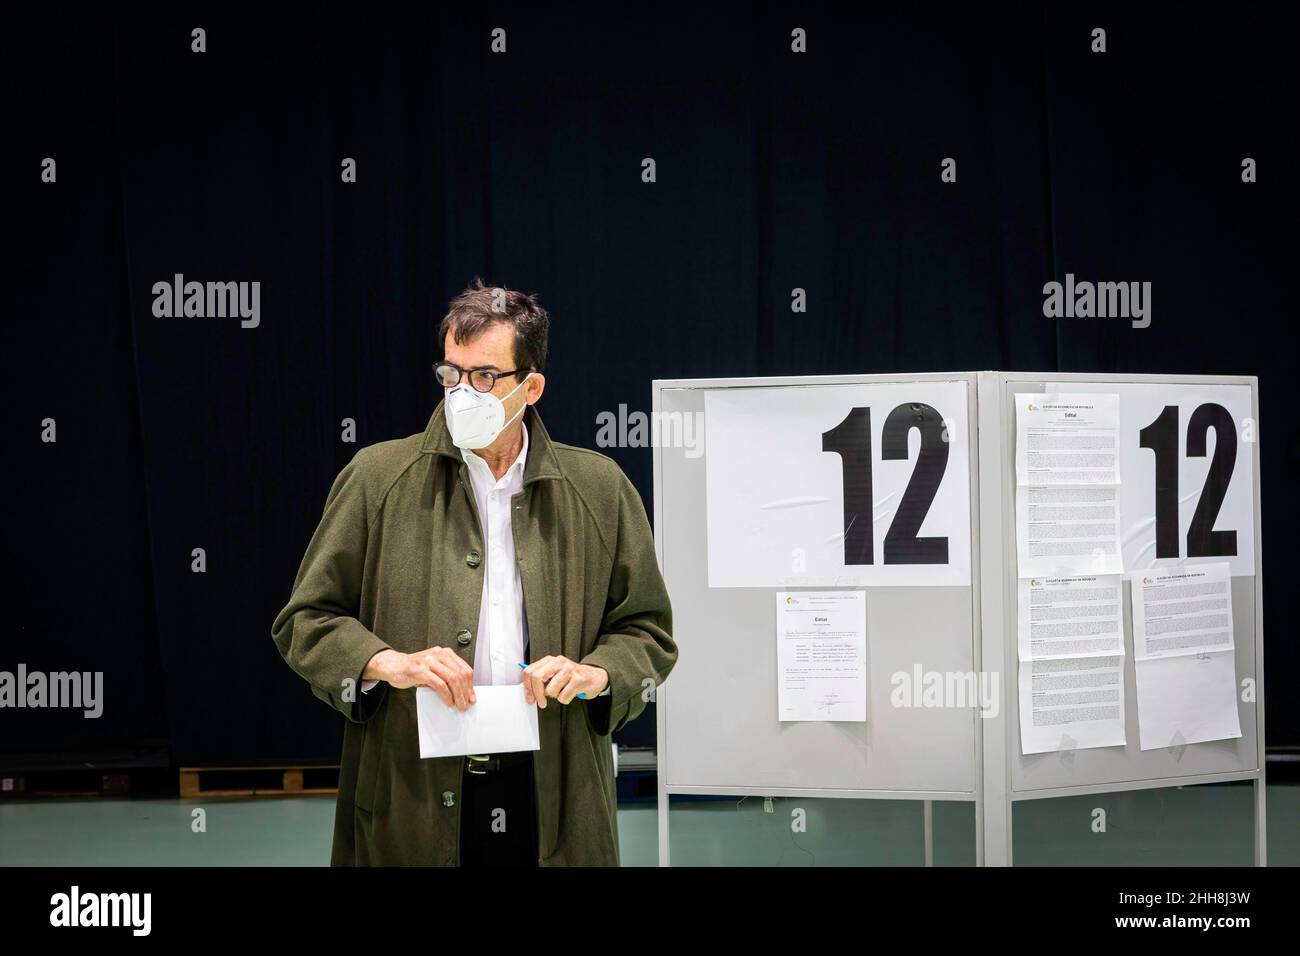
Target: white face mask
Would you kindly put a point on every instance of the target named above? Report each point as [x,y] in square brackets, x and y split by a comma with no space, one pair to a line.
[474,418]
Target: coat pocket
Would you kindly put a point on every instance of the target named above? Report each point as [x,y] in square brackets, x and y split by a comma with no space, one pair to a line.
[372,749]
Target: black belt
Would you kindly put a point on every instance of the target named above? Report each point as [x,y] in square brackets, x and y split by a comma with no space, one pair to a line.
[489,763]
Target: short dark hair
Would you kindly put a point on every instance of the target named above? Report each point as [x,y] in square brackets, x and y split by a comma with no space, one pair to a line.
[480,305]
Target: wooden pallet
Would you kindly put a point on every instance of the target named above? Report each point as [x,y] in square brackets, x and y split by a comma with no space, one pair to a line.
[265,781]
[64,784]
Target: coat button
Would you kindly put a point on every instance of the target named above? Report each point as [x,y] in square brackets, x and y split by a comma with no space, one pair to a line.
[473,559]
[463,636]
[448,798]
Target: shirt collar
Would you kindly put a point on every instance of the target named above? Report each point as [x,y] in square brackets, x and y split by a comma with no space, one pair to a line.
[474,460]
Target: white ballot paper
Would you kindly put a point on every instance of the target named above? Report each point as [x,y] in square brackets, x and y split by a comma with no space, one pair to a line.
[500,720]
[821,655]
[1067,484]
[1184,655]
[1071,649]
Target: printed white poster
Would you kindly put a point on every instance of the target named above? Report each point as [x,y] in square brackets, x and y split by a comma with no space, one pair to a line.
[838,485]
[1184,655]
[1071,670]
[1067,484]
[1064,439]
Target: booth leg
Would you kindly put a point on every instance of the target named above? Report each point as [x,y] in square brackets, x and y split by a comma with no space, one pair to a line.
[929,832]
[1261,823]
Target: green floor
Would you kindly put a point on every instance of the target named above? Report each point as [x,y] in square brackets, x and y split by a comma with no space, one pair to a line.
[1190,826]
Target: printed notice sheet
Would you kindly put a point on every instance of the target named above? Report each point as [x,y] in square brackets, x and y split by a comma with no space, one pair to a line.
[1067,530]
[1070,617]
[500,720]
[1067,484]
[1067,439]
[1185,610]
[821,655]
[1071,649]
[1185,655]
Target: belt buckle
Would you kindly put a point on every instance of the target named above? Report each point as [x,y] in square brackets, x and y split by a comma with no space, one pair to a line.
[481,759]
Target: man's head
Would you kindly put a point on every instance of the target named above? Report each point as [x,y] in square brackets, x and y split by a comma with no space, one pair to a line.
[495,338]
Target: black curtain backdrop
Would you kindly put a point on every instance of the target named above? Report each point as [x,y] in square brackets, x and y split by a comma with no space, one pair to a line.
[775,170]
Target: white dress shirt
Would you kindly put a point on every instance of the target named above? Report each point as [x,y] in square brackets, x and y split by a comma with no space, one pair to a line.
[502,624]
[502,628]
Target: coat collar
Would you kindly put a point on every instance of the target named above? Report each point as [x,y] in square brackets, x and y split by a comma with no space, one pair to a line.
[541,462]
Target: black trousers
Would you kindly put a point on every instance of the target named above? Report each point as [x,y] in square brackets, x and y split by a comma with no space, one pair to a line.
[498,818]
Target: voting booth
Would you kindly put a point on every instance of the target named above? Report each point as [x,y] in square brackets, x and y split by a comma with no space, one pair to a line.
[875,599]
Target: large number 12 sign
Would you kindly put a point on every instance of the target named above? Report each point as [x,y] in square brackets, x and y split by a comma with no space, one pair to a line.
[851,439]
[1161,436]
[838,485]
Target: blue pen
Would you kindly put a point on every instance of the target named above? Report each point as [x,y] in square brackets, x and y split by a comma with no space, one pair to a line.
[525,667]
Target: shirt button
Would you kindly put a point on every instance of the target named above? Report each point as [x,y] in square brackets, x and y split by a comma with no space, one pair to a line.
[473,559]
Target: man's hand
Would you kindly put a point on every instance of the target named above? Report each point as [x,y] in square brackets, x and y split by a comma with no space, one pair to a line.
[563,679]
[438,667]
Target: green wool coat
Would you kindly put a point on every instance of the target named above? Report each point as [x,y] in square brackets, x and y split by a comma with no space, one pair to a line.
[396,562]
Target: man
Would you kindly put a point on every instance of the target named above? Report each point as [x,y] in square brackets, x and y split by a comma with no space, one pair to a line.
[448,560]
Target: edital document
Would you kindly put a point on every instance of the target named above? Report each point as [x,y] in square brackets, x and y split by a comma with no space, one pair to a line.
[821,655]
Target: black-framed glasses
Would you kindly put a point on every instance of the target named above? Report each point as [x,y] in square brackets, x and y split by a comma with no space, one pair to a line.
[480,379]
